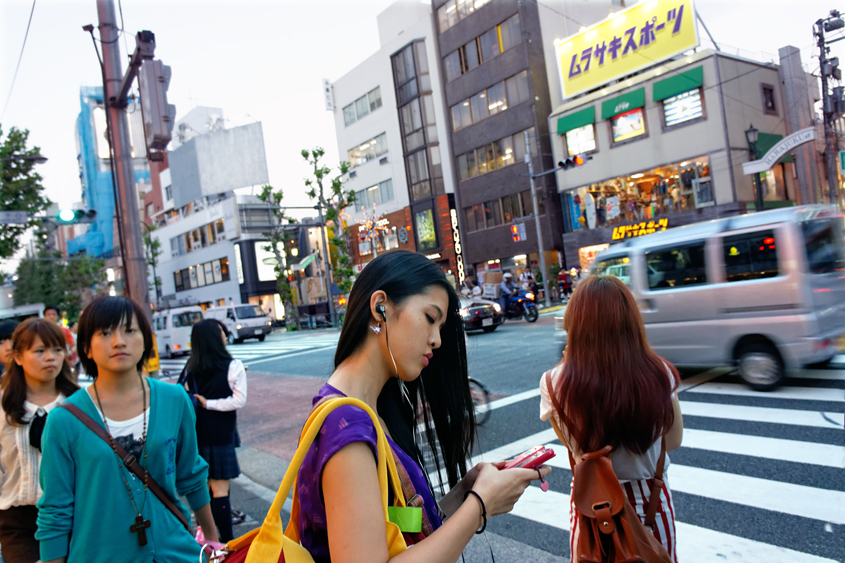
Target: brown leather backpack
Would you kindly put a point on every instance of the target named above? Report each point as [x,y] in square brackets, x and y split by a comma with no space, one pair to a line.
[608,527]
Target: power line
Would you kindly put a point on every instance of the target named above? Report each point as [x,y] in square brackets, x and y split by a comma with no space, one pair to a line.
[20,57]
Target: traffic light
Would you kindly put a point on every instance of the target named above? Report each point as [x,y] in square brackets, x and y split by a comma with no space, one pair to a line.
[158,115]
[68,216]
[574,161]
[518,232]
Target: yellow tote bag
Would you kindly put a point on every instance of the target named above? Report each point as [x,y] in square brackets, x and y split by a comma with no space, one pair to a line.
[270,543]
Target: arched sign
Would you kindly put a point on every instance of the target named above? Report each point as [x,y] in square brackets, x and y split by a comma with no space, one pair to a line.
[776,152]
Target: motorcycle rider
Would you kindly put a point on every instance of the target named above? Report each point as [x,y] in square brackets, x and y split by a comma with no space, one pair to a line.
[506,289]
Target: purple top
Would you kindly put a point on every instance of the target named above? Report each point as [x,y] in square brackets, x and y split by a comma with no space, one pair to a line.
[343,426]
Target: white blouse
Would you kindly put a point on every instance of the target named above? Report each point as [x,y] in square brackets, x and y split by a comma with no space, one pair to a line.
[237,383]
[19,462]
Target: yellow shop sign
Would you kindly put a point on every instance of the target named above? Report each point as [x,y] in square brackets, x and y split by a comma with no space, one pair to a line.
[636,38]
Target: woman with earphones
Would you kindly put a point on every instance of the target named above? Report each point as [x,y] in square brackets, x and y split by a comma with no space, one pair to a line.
[401,351]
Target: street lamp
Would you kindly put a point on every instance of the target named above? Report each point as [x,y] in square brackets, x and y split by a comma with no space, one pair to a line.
[752,134]
[36,158]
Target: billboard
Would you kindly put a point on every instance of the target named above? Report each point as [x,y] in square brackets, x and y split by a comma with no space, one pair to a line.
[626,42]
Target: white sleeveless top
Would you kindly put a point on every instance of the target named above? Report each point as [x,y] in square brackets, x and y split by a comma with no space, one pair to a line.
[627,465]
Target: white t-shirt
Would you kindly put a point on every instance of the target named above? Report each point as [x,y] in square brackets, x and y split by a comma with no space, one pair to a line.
[627,465]
[128,433]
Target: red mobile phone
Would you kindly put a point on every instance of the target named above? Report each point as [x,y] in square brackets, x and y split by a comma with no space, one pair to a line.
[533,458]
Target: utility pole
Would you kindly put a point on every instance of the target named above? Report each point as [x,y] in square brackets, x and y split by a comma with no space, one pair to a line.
[134,263]
[540,250]
[831,105]
[328,264]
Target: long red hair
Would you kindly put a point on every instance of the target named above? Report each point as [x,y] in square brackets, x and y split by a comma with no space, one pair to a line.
[614,389]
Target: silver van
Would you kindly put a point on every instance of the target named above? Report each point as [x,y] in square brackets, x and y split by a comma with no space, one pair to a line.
[763,291]
[242,321]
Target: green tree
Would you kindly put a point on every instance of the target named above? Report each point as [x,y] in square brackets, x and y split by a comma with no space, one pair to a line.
[152,250]
[277,236]
[20,188]
[334,200]
[82,278]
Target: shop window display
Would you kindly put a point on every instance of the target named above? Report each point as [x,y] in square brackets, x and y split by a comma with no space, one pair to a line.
[642,196]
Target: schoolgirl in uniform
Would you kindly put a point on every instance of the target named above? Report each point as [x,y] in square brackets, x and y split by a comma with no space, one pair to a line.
[37,380]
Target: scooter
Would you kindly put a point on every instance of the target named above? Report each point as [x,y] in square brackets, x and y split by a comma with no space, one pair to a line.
[521,305]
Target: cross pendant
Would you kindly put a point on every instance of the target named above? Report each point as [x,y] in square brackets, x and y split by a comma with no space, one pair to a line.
[139,528]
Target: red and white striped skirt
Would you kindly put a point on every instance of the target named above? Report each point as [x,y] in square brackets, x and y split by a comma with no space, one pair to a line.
[639,493]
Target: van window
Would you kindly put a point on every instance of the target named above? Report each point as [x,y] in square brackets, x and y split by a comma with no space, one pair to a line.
[823,246]
[230,314]
[619,267]
[181,320]
[750,256]
[676,267]
[249,312]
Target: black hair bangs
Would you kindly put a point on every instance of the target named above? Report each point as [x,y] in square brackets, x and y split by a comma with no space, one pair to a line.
[110,313]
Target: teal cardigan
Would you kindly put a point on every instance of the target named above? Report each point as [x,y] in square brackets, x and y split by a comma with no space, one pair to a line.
[85,511]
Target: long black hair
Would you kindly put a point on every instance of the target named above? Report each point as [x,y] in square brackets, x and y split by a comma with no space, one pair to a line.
[208,353]
[442,389]
[109,313]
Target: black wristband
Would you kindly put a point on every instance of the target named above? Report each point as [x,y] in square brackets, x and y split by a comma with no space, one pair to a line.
[483,509]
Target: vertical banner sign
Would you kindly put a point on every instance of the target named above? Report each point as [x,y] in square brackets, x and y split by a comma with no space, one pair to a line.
[459,253]
[327,94]
[630,40]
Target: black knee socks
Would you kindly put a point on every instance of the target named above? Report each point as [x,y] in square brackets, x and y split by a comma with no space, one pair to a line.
[222,512]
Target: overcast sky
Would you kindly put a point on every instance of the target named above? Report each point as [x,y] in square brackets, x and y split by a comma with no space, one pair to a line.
[265,61]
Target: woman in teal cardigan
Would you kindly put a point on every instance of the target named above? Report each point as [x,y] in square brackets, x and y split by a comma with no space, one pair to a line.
[91,503]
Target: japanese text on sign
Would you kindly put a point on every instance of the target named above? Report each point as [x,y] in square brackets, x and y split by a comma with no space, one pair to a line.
[640,229]
[640,36]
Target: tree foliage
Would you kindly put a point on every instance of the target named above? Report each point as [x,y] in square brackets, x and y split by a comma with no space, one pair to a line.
[277,236]
[152,250]
[334,200]
[20,188]
[67,284]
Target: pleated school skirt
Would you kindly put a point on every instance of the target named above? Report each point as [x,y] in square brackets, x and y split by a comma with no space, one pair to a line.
[639,493]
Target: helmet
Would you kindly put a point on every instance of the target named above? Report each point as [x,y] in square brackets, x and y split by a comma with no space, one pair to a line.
[508,275]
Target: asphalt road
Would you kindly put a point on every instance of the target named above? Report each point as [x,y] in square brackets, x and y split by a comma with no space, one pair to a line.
[759,477]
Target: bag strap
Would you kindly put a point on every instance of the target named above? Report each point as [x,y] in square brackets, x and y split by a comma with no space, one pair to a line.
[128,460]
[656,485]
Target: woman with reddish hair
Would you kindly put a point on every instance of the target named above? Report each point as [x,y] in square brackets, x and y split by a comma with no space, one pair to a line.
[613,390]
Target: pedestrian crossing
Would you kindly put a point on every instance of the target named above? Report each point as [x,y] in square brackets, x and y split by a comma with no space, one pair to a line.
[760,477]
[251,352]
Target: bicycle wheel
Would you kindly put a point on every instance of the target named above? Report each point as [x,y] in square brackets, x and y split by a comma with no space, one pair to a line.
[481,400]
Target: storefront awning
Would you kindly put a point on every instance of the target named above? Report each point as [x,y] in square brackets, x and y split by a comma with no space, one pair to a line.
[678,84]
[586,116]
[766,141]
[623,103]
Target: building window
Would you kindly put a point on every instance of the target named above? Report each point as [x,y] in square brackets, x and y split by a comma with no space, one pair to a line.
[368,151]
[375,195]
[517,87]
[493,42]
[581,140]
[502,211]
[461,115]
[450,13]
[208,273]
[682,108]
[499,154]
[495,99]
[362,107]
[168,192]
[769,105]
[628,125]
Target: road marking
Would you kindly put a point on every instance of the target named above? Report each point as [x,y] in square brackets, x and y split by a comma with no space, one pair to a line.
[769,448]
[512,399]
[803,393]
[762,414]
[826,374]
[694,544]
[264,493]
[701,378]
[279,357]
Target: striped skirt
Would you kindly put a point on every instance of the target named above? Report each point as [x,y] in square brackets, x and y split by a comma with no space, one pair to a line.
[639,493]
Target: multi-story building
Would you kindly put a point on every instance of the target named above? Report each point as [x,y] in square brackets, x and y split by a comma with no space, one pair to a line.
[100,238]
[392,128]
[500,84]
[667,136]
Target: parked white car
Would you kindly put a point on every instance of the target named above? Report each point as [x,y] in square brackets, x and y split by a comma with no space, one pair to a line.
[242,321]
[173,330]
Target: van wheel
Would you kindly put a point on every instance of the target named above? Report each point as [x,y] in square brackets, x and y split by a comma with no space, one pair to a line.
[230,339]
[239,340]
[761,366]
[261,338]
[167,353]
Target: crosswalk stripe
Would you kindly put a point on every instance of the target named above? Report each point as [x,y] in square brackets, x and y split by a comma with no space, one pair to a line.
[695,544]
[788,498]
[768,448]
[803,393]
[762,414]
